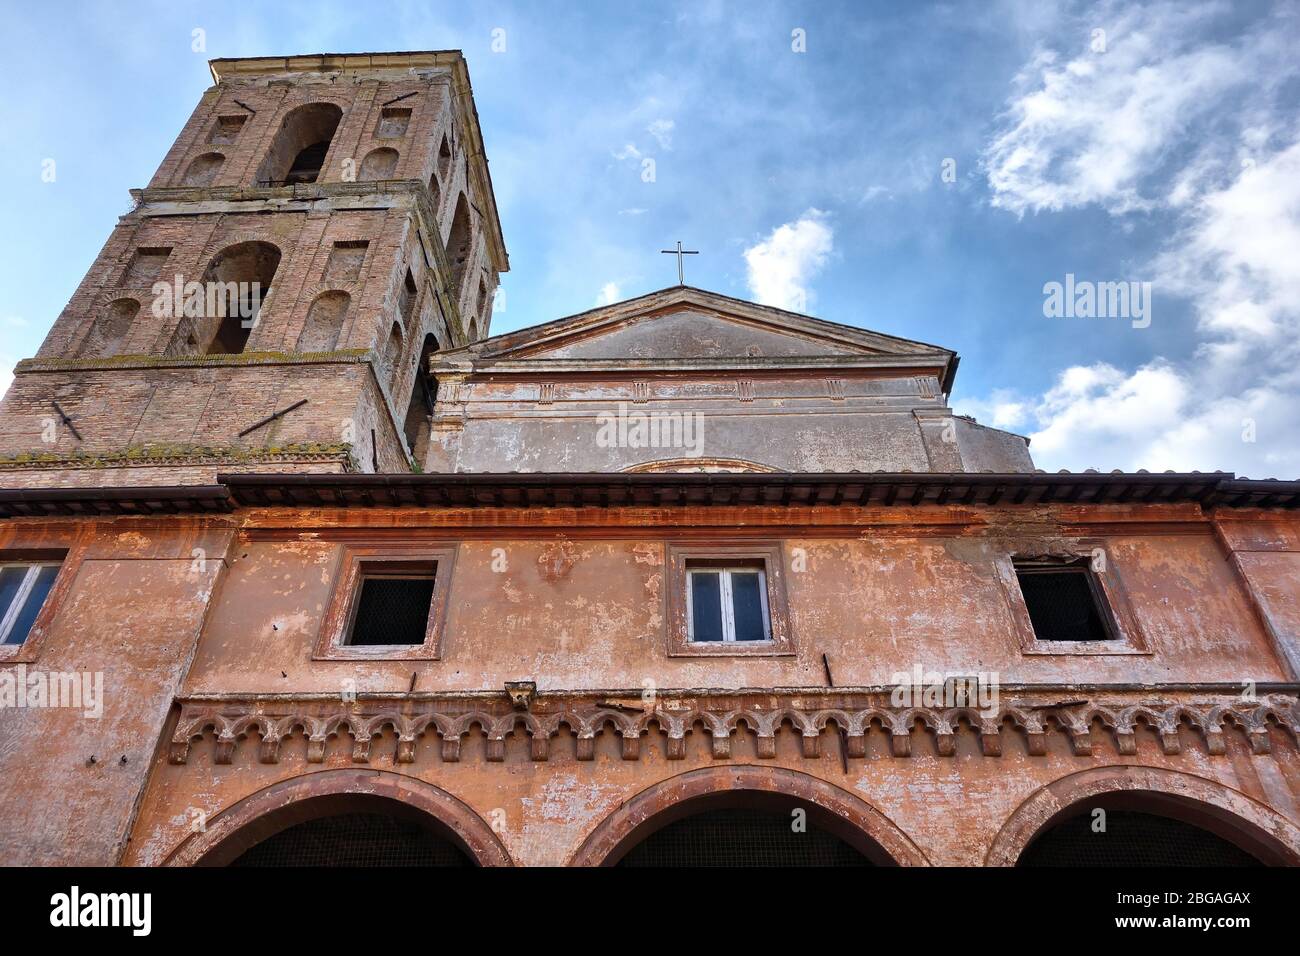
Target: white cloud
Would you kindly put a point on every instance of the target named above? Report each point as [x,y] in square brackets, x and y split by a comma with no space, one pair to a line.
[662,131]
[781,266]
[1115,130]
[1002,409]
[1232,406]
[609,294]
[629,151]
[1090,129]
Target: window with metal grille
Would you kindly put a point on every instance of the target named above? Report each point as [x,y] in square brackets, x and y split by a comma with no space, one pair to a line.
[354,839]
[392,609]
[1132,838]
[741,837]
[1063,601]
[727,603]
[23,588]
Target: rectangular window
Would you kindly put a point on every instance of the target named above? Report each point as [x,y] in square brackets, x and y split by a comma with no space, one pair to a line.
[392,609]
[393,121]
[23,589]
[346,259]
[1064,602]
[727,599]
[727,604]
[226,129]
[145,268]
[390,602]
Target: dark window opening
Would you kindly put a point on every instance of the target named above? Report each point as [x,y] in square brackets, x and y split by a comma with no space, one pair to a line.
[307,164]
[354,839]
[727,602]
[436,191]
[235,288]
[1063,602]
[407,296]
[444,159]
[741,837]
[392,609]
[297,154]
[24,586]
[1132,838]
[424,396]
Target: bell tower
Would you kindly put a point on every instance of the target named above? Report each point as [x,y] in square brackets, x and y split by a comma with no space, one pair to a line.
[319,229]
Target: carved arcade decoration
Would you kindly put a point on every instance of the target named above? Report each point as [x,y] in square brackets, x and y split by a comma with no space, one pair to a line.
[450,719]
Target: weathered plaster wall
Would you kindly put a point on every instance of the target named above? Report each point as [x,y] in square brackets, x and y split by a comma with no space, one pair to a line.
[785,422]
[580,612]
[879,591]
[130,607]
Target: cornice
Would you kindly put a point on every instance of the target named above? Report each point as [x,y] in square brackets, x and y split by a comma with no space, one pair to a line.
[262,724]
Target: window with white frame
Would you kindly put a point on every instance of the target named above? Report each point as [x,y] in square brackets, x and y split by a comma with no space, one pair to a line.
[727,603]
[24,585]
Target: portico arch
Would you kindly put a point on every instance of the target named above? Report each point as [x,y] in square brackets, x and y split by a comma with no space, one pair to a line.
[828,807]
[329,793]
[1205,804]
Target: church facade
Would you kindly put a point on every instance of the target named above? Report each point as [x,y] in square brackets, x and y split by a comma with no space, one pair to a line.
[299,563]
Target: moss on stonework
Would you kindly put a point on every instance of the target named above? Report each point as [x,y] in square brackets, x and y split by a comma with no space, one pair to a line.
[175,361]
[183,451]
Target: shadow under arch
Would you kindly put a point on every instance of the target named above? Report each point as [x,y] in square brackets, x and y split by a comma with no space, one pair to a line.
[829,807]
[1218,809]
[332,792]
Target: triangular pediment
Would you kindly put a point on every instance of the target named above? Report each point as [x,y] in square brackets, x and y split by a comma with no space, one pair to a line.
[684,323]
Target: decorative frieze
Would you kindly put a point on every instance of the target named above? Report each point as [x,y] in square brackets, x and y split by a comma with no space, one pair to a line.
[329,722]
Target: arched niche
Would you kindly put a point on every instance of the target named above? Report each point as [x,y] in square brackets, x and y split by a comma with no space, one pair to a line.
[378,164]
[203,170]
[325,318]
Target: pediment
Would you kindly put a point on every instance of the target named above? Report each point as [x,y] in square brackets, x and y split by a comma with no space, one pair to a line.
[689,333]
[684,323]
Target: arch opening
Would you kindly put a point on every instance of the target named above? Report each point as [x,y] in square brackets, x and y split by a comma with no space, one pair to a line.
[420,407]
[1135,828]
[747,834]
[746,816]
[345,829]
[458,245]
[298,152]
[331,794]
[235,286]
[367,835]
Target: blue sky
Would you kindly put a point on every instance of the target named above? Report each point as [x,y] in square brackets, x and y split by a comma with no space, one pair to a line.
[1147,143]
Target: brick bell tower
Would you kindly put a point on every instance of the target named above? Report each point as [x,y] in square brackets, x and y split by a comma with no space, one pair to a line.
[321,226]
